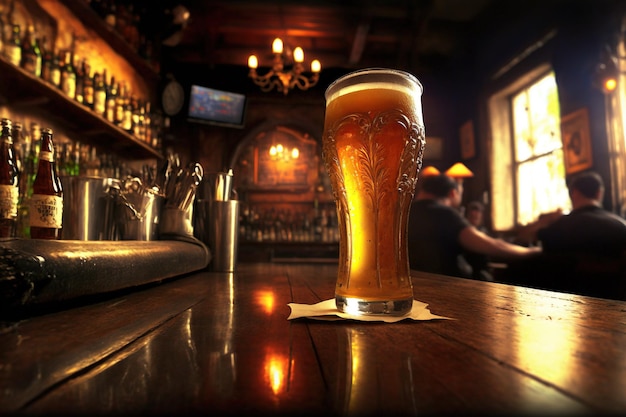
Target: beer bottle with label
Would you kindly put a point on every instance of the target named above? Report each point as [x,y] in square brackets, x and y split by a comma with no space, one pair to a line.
[46,209]
[9,181]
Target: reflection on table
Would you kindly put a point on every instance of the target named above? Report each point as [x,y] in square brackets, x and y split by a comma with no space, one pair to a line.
[220,343]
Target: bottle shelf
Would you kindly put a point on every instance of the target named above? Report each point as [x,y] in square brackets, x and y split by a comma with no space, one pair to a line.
[90,18]
[20,89]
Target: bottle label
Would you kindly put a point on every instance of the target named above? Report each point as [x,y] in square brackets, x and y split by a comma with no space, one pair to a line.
[127,123]
[46,211]
[68,85]
[32,63]
[13,54]
[88,93]
[99,104]
[110,110]
[46,156]
[119,114]
[8,201]
[55,76]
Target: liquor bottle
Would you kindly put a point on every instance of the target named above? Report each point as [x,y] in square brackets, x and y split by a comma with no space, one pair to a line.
[46,59]
[88,94]
[55,69]
[99,93]
[111,100]
[20,146]
[147,123]
[31,52]
[46,209]
[137,119]
[13,46]
[79,95]
[119,105]
[127,122]
[9,181]
[68,75]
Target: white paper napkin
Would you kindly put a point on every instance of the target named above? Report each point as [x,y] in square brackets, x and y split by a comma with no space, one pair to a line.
[327,310]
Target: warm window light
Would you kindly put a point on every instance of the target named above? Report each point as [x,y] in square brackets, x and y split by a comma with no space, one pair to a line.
[459,170]
[430,171]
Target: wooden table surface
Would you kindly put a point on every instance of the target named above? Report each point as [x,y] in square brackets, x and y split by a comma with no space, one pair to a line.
[219,343]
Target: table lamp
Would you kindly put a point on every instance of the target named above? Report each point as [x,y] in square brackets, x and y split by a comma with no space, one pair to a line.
[429,171]
[459,172]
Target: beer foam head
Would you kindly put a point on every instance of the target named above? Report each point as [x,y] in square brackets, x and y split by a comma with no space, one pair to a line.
[374,78]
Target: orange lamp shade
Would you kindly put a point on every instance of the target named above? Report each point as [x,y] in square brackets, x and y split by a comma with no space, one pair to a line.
[429,170]
[459,170]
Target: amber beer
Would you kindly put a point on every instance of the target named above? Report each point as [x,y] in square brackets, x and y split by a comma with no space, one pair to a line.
[373,145]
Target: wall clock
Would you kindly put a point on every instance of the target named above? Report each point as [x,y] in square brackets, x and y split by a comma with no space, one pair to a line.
[172,98]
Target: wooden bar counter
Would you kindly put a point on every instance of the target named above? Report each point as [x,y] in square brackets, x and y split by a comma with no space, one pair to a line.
[210,343]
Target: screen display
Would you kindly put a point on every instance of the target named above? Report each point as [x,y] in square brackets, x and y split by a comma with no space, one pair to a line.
[216,106]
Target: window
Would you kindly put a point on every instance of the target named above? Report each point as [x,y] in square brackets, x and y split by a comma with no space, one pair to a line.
[527,165]
[616,108]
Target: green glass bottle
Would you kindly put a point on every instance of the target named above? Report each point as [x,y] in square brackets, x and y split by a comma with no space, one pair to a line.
[31,52]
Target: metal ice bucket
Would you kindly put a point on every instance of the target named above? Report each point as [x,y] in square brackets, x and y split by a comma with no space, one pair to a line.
[138,211]
[89,208]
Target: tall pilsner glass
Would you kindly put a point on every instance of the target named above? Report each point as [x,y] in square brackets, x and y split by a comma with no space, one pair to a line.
[373,145]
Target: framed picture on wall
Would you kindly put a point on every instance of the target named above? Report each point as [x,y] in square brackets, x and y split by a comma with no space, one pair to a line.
[467,141]
[433,149]
[576,141]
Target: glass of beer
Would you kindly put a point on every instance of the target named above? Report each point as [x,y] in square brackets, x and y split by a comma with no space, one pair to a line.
[373,145]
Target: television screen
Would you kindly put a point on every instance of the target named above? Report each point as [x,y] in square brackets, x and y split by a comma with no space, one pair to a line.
[217,107]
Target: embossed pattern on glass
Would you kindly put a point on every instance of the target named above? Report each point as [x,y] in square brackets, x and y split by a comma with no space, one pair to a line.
[373,146]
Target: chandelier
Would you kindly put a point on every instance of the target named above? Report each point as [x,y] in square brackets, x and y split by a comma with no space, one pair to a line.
[281,153]
[280,78]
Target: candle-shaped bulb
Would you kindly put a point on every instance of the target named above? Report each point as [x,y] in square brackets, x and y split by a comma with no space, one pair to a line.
[316,66]
[298,54]
[277,46]
[253,62]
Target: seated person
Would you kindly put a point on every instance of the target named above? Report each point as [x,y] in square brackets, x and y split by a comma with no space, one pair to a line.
[583,250]
[477,261]
[438,234]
